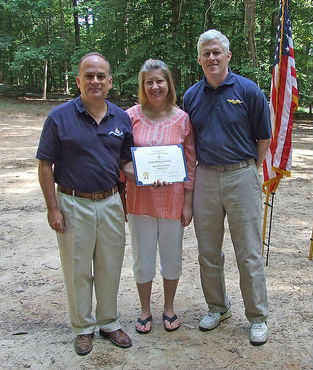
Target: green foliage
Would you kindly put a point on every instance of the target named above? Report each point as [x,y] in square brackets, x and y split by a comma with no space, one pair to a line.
[128,32]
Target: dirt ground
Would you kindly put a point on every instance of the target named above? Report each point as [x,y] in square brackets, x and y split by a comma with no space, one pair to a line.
[34,327]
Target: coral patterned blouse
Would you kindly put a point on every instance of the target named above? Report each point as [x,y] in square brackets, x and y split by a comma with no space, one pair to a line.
[161,202]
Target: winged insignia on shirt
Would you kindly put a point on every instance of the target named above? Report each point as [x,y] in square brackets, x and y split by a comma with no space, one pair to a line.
[235,101]
[116,132]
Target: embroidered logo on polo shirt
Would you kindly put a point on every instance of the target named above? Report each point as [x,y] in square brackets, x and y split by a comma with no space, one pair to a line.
[116,132]
[235,101]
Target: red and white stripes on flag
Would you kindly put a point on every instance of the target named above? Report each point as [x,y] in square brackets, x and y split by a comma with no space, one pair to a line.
[283,104]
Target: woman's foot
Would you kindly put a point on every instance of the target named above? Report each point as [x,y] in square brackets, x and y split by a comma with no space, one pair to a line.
[143,326]
[171,322]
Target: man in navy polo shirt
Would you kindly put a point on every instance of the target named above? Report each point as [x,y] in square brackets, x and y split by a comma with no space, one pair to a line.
[83,145]
[231,122]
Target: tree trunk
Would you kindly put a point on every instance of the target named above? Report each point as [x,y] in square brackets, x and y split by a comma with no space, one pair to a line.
[67,90]
[126,27]
[45,74]
[275,16]
[250,19]
[87,24]
[76,24]
[262,32]
[66,87]
[175,9]
[208,22]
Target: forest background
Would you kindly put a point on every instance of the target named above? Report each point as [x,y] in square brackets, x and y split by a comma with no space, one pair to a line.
[42,41]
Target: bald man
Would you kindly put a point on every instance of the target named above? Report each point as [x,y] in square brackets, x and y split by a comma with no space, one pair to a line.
[83,145]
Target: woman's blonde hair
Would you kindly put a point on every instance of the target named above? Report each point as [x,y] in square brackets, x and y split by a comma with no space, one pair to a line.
[149,65]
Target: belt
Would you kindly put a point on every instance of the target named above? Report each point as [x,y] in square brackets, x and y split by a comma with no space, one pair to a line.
[97,195]
[229,167]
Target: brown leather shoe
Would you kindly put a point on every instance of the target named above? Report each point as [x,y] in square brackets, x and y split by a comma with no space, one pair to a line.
[83,344]
[117,337]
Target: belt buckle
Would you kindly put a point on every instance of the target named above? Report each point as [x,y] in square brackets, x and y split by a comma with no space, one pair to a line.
[97,196]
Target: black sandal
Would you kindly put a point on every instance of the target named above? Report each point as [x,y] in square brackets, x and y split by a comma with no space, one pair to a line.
[170,320]
[143,323]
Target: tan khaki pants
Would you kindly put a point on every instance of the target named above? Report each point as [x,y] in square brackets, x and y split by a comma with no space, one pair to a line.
[237,195]
[92,251]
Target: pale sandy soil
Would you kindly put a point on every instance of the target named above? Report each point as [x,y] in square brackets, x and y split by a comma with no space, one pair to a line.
[34,327]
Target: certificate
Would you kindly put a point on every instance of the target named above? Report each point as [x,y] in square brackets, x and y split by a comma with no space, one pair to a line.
[164,163]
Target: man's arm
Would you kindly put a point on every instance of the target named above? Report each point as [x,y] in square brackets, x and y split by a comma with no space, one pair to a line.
[127,168]
[46,180]
[263,146]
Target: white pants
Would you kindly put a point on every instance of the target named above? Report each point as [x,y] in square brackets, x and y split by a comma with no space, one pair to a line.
[146,232]
[94,241]
[237,194]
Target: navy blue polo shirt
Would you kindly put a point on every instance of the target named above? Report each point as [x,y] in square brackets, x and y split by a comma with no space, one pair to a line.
[86,155]
[227,120]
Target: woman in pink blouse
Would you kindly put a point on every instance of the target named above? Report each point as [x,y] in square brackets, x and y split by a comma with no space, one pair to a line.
[157,214]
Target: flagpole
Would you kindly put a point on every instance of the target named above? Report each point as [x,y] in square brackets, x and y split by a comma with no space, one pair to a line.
[311,248]
[271,205]
[265,219]
[283,104]
[280,60]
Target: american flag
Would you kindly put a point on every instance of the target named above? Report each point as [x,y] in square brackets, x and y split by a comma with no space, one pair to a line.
[283,104]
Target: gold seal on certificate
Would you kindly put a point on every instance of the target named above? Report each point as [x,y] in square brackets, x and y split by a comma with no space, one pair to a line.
[164,163]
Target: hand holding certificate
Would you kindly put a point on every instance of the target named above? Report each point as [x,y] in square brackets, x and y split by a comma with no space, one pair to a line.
[164,163]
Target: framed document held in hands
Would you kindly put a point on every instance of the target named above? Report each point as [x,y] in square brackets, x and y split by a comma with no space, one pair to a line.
[164,163]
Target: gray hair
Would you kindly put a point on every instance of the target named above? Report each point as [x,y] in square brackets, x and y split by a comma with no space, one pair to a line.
[212,35]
